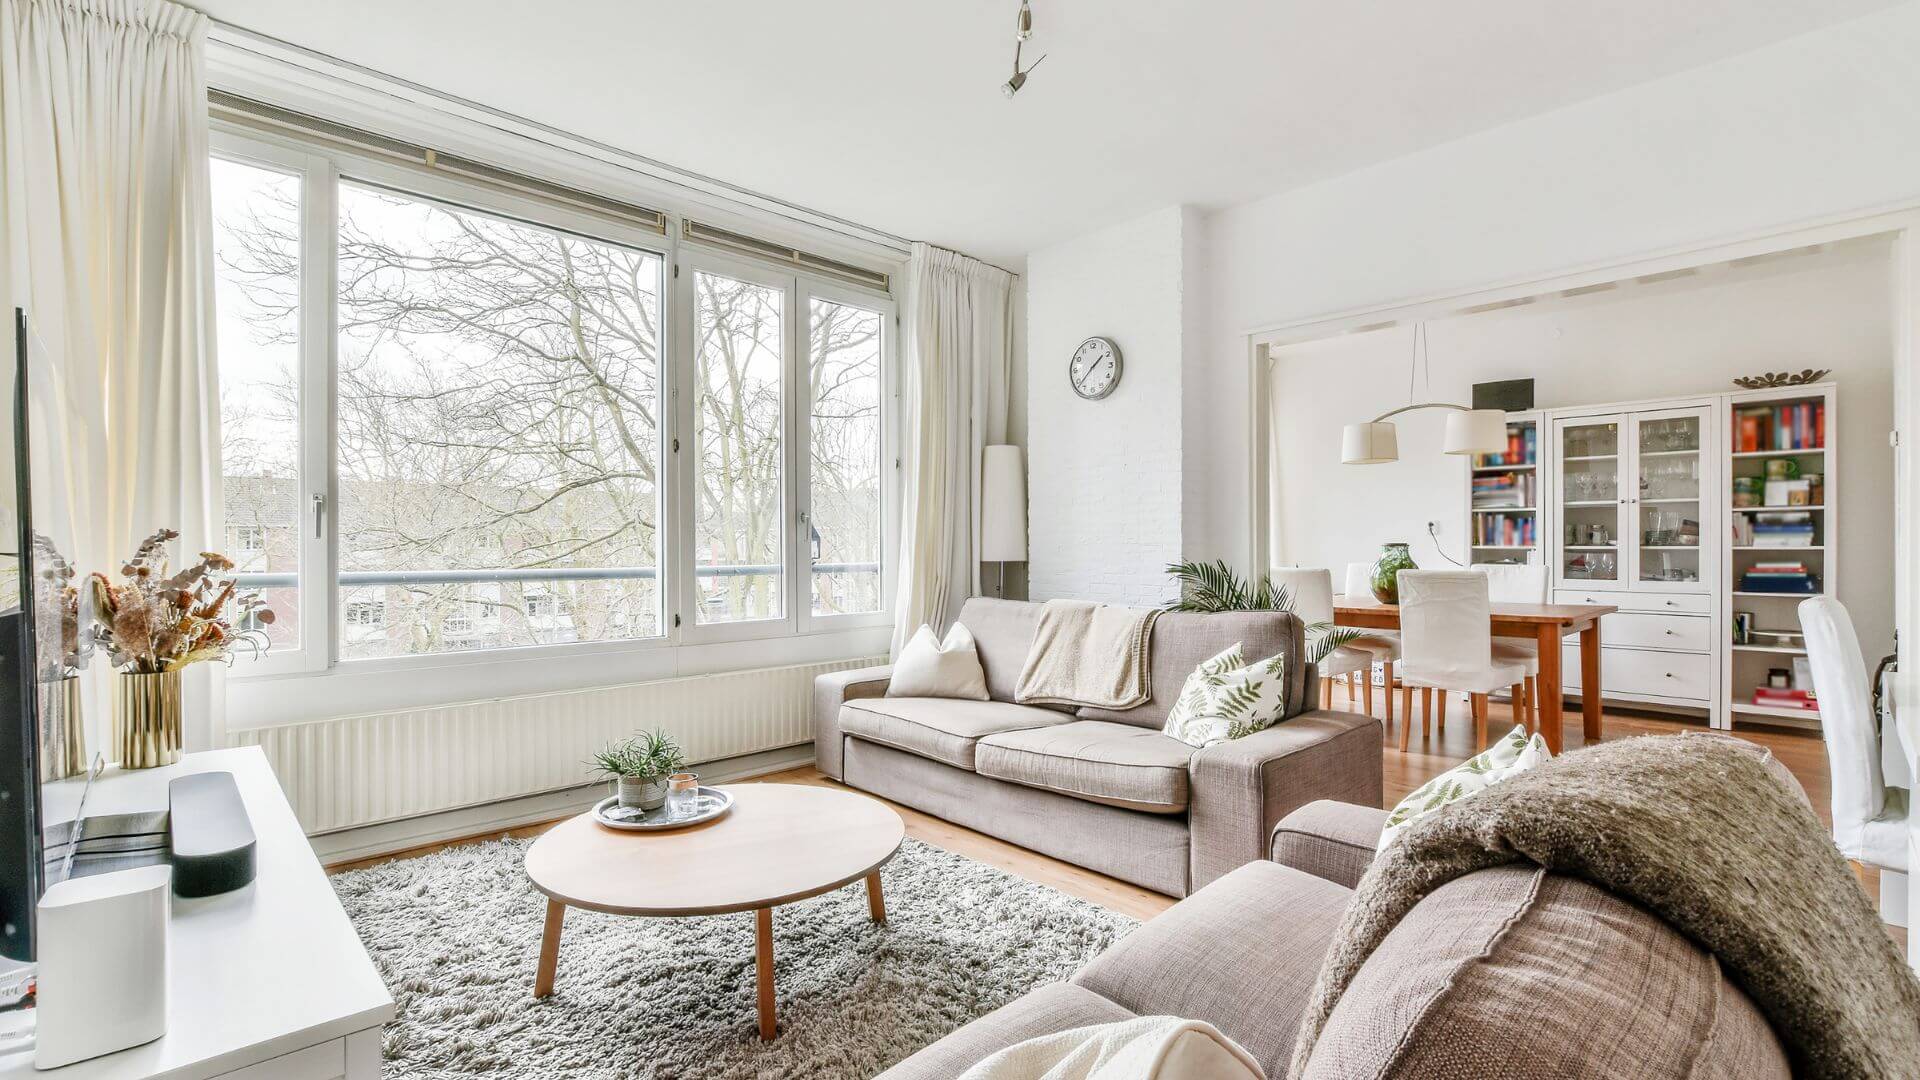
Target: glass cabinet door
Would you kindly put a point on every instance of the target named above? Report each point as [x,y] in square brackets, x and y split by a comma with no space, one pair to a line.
[1591,501]
[1669,470]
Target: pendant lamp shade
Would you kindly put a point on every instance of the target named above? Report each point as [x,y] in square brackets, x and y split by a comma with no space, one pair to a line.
[1369,444]
[1003,505]
[1475,431]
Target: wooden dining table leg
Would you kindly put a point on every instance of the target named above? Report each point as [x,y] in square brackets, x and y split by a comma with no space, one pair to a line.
[1440,710]
[1590,682]
[1366,689]
[763,968]
[1386,671]
[1549,685]
[549,949]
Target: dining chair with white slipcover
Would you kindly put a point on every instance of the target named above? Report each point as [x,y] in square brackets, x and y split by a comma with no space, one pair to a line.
[1312,593]
[1383,644]
[1869,818]
[1446,642]
[1519,583]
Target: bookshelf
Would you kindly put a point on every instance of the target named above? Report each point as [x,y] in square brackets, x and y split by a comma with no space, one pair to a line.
[1504,497]
[1781,499]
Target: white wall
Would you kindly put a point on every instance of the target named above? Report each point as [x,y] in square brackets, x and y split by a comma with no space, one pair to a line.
[1104,496]
[1816,126]
[1689,336]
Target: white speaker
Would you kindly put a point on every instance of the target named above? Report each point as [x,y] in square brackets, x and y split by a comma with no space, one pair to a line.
[101,949]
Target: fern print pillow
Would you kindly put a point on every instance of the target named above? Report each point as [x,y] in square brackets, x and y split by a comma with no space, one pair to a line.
[1226,698]
[1515,753]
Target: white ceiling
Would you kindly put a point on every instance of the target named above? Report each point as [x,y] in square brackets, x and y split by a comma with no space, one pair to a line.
[888,112]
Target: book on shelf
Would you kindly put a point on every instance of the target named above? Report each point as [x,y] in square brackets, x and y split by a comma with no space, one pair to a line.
[1782,698]
[1780,577]
[1504,530]
[1797,426]
[1522,449]
[1503,490]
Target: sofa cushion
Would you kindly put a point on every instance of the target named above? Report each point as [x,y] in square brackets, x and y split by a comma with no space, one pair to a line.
[1052,1008]
[1517,973]
[1096,760]
[1182,640]
[1241,954]
[943,729]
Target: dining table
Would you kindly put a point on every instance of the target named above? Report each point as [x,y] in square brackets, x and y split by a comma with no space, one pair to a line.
[1545,624]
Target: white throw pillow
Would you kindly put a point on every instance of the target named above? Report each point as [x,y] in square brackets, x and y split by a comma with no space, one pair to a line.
[1515,753]
[1226,698]
[929,667]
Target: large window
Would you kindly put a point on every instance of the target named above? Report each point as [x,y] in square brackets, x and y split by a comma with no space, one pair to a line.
[456,420]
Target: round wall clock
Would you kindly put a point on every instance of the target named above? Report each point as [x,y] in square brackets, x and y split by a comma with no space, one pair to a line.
[1095,368]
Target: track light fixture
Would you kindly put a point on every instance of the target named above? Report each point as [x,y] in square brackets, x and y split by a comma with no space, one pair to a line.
[1022,33]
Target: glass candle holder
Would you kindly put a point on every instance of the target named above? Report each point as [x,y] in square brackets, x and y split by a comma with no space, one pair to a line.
[683,796]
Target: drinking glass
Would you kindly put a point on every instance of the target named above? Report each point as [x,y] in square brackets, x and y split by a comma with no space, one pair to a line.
[683,796]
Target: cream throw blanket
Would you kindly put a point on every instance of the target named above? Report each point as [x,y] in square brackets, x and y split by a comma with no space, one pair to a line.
[1700,830]
[1089,654]
[1144,1048]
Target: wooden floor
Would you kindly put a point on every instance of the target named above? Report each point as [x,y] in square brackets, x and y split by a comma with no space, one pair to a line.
[1802,753]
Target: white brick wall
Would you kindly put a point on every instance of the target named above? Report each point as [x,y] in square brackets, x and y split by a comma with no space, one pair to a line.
[1104,488]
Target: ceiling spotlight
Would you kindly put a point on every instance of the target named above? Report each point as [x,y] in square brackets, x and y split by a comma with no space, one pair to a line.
[1022,31]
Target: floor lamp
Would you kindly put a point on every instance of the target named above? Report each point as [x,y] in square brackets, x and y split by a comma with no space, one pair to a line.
[1003,510]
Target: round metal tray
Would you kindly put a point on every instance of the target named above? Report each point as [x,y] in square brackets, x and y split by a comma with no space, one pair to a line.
[713,803]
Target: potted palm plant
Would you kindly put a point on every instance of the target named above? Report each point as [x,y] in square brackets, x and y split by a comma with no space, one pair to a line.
[640,766]
[1214,586]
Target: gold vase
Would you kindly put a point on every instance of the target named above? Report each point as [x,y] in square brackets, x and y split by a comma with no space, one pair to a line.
[146,719]
[63,737]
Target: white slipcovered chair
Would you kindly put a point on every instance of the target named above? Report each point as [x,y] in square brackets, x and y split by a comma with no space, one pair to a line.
[1312,592]
[1869,818]
[1519,583]
[1446,643]
[1383,644]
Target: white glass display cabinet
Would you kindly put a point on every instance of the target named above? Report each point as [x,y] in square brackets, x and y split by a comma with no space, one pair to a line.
[1635,492]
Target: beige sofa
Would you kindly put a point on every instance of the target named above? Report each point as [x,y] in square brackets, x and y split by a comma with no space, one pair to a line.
[1105,790]
[1512,972]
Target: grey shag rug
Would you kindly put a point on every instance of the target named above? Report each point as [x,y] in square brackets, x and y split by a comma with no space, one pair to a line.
[456,935]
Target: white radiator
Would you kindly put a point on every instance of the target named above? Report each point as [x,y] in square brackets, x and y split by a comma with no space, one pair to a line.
[358,770]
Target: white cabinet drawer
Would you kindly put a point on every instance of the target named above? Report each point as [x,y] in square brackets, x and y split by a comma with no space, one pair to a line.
[1679,603]
[1642,673]
[1640,630]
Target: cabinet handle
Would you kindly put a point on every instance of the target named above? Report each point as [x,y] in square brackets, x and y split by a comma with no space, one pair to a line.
[1670,675]
[1669,633]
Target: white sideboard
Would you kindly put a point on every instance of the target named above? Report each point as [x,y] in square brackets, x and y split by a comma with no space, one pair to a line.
[268,982]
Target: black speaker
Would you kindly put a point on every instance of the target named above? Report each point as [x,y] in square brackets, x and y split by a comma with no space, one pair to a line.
[1512,395]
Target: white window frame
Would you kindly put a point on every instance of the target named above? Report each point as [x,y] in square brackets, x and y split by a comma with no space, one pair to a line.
[321,612]
[811,289]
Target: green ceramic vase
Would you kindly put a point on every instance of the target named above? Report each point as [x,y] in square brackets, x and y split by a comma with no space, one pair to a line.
[1393,559]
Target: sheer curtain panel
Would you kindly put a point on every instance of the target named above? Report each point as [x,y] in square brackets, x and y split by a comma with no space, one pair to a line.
[105,201]
[958,361]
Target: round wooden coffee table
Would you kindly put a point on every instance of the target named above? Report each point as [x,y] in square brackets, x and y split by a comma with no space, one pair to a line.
[779,843]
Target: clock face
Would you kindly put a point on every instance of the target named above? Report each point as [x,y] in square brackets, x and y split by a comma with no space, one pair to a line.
[1095,368]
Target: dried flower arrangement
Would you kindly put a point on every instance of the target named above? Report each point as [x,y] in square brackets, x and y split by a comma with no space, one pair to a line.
[1766,380]
[153,623]
[62,647]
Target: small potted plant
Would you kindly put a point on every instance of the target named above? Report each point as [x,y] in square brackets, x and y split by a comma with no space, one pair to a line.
[641,765]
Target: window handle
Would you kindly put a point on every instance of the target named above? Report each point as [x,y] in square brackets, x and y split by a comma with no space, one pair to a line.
[319,515]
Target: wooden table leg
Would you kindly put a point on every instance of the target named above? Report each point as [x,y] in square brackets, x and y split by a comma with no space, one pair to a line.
[1590,682]
[1386,669]
[1549,685]
[876,901]
[763,968]
[549,949]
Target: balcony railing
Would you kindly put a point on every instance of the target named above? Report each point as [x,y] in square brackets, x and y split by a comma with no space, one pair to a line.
[255,579]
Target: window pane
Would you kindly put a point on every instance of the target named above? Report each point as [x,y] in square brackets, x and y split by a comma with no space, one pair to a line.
[256,245]
[498,433]
[737,535]
[845,503]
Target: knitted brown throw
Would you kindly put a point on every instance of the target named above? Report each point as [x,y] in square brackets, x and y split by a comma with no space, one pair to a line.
[1697,829]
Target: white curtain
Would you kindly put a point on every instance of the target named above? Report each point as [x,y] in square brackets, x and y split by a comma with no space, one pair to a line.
[958,366]
[109,249]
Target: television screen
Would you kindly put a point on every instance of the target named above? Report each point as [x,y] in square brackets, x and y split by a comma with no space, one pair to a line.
[42,736]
